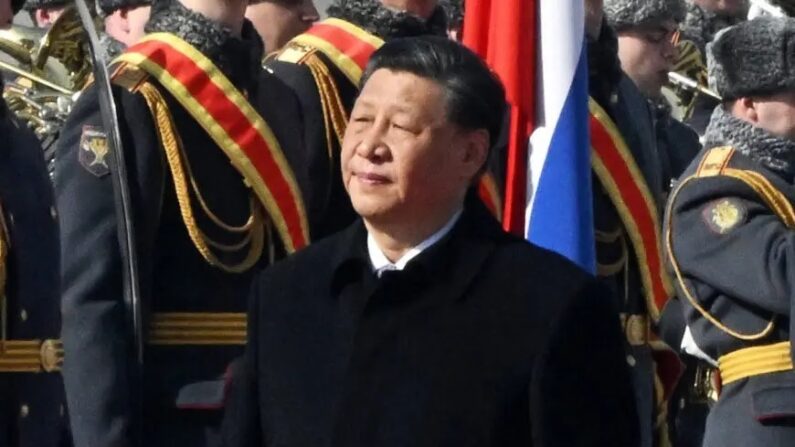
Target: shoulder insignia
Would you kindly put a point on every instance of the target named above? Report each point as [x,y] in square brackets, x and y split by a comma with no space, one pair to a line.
[723,215]
[129,77]
[94,151]
[715,161]
[295,53]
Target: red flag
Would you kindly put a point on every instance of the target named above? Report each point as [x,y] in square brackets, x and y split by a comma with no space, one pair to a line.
[503,32]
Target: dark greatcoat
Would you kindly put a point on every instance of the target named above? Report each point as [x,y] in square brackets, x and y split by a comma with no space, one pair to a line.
[32,405]
[483,340]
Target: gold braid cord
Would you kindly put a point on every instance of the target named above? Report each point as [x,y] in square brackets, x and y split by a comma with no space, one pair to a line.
[334,113]
[254,228]
[773,198]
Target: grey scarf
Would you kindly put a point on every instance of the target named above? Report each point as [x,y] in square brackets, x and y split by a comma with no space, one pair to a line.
[773,152]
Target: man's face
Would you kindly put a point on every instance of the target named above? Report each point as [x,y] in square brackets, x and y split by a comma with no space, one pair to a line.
[6,14]
[136,21]
[420,8]
[45,17]
[647,55]
[776,114]
[402,160]
[279,21]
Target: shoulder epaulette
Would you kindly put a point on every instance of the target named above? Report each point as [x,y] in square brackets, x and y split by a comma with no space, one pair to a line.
[295,53]
[129,76]
[715,161]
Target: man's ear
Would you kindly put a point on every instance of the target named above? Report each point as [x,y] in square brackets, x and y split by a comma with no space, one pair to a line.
[745,109]
[475,151]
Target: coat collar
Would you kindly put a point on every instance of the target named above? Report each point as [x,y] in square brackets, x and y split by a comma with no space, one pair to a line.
[454,261]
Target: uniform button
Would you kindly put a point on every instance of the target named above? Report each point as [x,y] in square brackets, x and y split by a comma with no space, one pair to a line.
[53,213]
[10,219]
[682,404]
[23,315]
[631,361]
[24,410]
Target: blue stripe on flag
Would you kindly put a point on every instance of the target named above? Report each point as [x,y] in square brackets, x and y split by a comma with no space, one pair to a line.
[562,214]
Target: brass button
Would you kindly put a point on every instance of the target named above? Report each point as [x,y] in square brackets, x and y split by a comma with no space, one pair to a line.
[24,410]
[23,315]
[631,361]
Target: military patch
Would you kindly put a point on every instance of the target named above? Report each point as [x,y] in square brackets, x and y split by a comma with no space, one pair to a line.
[723,215]
[94,151]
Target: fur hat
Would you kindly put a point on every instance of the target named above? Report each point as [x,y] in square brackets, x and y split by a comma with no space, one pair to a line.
[753,58]
[31,5]
[630,13]
[109,6]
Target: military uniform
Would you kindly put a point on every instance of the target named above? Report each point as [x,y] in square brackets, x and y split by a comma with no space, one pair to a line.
[728,235]
[618,264]
[32,405]
[201,232]
[327,88]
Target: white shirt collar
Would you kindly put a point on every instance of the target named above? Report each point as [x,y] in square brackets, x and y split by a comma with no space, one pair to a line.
[381,263]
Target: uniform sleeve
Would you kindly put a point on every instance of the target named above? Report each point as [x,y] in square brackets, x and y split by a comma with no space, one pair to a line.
[582,392]
[95,326]
[723,236]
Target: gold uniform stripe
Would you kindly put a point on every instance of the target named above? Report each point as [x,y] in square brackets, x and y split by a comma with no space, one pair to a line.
[755,361]
[198,329]
[30,356]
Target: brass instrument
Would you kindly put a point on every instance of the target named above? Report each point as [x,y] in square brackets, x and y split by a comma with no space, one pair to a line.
[687,81]
[47,70]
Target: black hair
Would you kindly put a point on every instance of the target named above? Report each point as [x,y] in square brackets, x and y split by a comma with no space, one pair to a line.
[475,97]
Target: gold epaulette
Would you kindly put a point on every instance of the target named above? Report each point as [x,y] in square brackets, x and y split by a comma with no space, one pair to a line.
[129,77]
[716,163]
[295,53]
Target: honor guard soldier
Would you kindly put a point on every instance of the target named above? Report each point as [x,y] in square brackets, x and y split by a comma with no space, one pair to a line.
[730,236]
[647,50]
[32,406]
[212,198]
[323,66]
[628,200]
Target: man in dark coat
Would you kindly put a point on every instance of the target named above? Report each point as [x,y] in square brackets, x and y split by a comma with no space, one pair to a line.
[32,405]
[327,85]
[200,219]
[424,323]
[730,236]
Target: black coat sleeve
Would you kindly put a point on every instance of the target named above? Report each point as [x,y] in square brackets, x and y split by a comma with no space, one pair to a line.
[241,426]
[581,393]
[95,326]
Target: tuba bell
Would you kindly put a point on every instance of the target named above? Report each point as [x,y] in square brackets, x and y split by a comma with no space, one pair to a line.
[45,70]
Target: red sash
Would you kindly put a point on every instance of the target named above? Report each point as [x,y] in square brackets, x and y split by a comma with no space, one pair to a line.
[621,178]
[348,46]
[232,123]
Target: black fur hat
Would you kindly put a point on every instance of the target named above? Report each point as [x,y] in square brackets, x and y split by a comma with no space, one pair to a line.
[630,13]
[753,58]
[31,5]
[108,6]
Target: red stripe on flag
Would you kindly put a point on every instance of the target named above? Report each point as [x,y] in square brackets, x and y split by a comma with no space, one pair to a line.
[233,121]
[504,33]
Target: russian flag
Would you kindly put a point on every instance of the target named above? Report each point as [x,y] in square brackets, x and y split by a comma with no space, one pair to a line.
[560,203]
[538,49]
